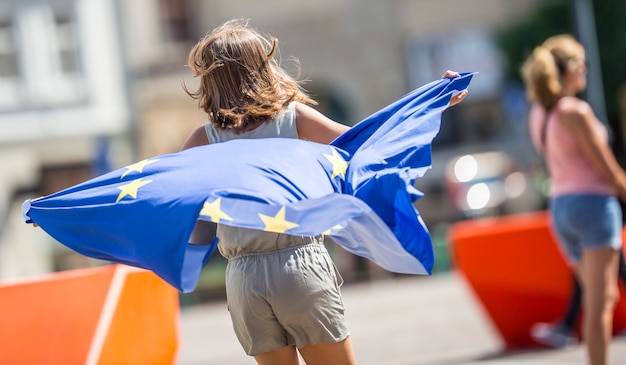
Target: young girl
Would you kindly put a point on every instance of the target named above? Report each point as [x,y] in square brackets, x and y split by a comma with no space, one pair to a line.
[586,180]
[282,291]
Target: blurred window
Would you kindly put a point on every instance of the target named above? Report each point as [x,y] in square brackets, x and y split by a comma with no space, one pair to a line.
[473,123]
[67,45]
[39,56]
[60,66]
[8,54]
[175,15]
[9,66]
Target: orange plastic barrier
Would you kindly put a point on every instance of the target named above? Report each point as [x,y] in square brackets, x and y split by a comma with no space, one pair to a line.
[107,315]
[516,270]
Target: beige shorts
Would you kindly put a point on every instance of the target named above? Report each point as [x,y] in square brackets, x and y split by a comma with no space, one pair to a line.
[285,297]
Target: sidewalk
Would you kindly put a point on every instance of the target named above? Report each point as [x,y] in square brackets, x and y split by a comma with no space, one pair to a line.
[406,321]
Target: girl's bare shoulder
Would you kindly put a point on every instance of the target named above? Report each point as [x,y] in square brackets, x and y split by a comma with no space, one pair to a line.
[571,106]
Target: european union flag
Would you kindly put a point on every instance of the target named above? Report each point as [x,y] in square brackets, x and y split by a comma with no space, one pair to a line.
[358,190]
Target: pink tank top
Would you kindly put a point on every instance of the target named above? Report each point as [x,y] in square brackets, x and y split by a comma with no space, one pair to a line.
[570,171]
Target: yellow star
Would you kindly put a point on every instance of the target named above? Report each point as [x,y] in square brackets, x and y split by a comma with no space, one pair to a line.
[214,212]
[277,223]
[131,188]
[334,228]
[137,167]
[339,164]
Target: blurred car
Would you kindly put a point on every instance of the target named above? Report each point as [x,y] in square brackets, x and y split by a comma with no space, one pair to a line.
[490,183]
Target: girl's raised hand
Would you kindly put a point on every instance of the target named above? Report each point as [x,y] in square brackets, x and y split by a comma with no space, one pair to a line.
[458,97]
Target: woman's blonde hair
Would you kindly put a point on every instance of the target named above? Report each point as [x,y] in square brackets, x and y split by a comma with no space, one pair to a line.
[544,69]
[241,82]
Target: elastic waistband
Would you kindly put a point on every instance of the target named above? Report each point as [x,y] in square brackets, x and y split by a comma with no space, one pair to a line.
[317,246]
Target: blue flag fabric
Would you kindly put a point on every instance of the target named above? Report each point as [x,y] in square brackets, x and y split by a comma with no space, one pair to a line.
[390,150]
[358,190]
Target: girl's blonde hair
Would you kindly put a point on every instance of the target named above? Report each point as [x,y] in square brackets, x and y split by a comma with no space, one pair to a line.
[544,69]
[241,82]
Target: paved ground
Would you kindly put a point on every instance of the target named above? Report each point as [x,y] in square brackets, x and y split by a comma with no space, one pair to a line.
[407,321]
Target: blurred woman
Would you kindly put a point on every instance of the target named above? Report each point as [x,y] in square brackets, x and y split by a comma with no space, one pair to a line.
[586,181]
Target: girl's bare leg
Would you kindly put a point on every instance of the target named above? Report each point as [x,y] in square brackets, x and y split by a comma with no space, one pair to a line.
[285,356]
[598,272]
[340,353]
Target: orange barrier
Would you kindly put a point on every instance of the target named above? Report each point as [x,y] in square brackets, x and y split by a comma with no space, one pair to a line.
[109,315]
[516,270]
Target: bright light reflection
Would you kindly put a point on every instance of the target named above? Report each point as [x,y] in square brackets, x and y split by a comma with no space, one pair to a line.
[515,184]
[478,196]
[465,168]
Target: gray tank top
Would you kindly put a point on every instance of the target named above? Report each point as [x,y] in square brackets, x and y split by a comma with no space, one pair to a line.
[235,241]
[284,126]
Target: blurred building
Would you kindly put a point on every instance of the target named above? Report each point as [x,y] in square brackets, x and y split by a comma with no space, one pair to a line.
[63,107]
[90,85]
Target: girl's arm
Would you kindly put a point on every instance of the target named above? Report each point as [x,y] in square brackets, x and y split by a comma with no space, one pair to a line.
[196,138]
[315,126]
